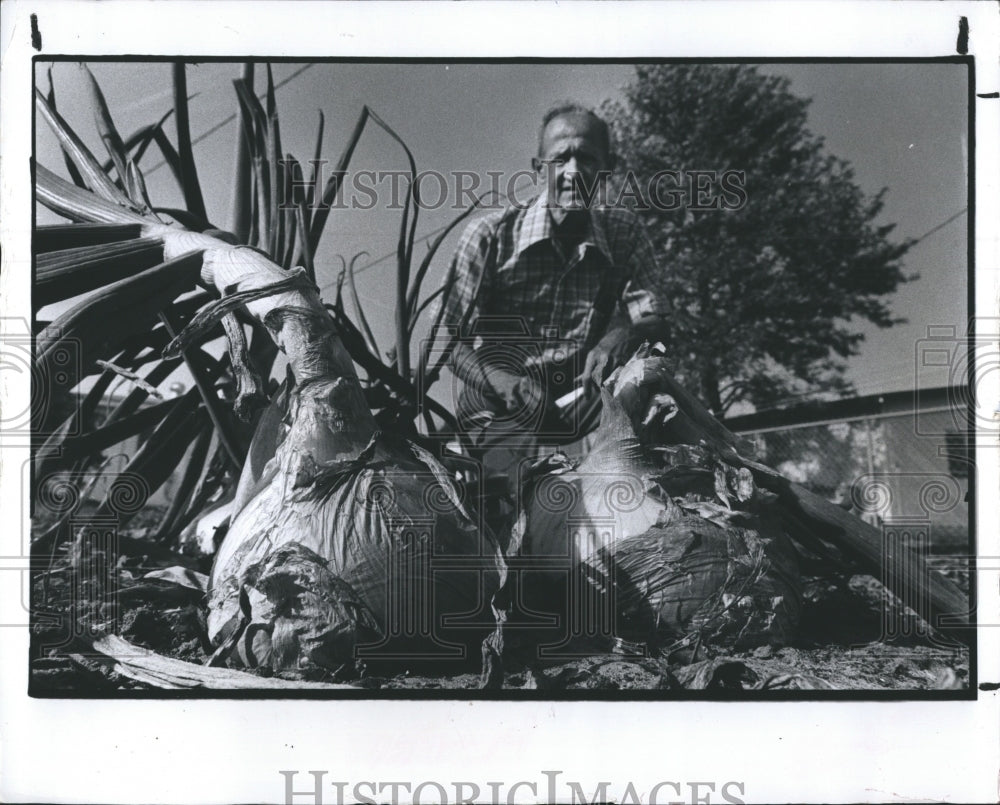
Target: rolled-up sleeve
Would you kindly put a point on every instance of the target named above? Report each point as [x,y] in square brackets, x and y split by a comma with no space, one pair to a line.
[640,297]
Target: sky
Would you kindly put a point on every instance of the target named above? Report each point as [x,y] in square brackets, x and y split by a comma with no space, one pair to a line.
[902,126]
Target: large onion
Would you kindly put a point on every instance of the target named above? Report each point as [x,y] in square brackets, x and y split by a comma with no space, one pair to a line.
[349,544]
[650,540]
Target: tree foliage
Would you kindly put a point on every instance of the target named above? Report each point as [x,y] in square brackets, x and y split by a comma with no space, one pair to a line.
[764,295]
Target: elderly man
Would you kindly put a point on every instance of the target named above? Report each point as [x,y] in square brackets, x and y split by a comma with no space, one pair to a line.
[550,298]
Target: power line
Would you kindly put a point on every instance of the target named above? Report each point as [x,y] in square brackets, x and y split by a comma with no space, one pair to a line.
[206,134]
[393,253]
[431,234]
[941,225]
[387,256]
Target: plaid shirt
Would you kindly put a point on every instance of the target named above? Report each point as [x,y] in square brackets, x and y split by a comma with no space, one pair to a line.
[556,295]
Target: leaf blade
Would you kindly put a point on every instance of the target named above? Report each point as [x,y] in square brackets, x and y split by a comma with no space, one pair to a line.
[189,172]
[77,204]
[333,184]
[242,202]
[90,169]
[106,127]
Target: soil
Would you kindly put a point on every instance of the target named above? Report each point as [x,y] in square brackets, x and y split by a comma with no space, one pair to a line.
[853,635]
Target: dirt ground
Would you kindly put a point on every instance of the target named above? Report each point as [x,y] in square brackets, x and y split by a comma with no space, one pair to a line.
[845,642]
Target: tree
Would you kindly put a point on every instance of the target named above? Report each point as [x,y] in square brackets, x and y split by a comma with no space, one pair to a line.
[764,292]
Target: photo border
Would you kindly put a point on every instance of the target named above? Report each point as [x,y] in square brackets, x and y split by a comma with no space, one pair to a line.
[966,765]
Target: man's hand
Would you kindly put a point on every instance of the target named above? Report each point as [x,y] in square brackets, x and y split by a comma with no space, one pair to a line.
[603,358]
[615,348]
[517,391]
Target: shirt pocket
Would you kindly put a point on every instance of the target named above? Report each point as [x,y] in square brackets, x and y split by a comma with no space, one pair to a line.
[523,288]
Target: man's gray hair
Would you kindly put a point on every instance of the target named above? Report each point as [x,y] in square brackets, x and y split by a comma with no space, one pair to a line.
[571,108]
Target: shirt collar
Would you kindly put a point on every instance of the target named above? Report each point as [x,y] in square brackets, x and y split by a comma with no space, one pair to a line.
[537,226]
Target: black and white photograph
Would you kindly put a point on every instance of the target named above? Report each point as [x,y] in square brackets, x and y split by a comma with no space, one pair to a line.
[605,394]
[377,382]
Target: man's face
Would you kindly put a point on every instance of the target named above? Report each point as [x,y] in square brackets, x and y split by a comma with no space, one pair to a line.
[573,156]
